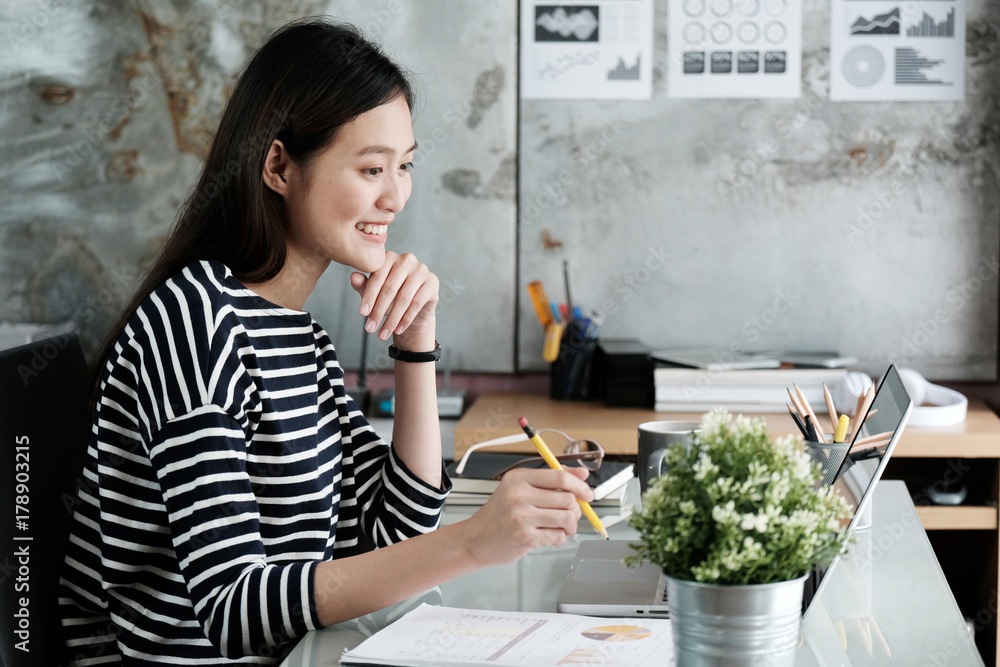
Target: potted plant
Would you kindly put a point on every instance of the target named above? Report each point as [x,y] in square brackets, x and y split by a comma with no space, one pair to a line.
[737,521]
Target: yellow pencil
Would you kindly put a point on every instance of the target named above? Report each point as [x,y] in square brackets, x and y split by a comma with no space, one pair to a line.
[841,633]
[880,636]
[546,453]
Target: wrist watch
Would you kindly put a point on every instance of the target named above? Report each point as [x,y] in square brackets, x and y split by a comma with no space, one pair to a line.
[412,357]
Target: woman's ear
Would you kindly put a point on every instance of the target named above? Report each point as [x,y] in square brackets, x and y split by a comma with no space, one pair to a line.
[275,165]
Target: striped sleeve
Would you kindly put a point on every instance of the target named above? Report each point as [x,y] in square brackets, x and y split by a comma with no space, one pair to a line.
[395,503]
[244,603]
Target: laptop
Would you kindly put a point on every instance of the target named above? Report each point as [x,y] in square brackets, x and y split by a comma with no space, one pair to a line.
[599,583]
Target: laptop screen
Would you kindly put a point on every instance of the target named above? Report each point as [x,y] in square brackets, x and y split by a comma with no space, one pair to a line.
[861,469]
[882,426]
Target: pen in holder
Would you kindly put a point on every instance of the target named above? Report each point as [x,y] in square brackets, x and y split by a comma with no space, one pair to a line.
[569,374]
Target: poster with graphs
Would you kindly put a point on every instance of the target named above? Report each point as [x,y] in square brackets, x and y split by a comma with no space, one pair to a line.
[906,50]
[600,49]
[735,48]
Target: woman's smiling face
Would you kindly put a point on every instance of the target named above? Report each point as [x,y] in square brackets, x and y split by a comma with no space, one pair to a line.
[340,207]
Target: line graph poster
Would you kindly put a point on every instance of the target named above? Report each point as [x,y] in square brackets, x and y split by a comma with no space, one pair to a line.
[904,50]
[601,49]
[735,48]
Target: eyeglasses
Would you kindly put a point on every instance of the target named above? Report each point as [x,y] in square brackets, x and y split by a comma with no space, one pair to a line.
[583,452]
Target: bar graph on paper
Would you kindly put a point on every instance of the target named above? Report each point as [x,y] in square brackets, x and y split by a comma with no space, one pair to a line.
[623,72]
[897,50]
[929,28]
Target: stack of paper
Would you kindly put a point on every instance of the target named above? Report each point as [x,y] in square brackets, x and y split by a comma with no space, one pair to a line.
[688,382]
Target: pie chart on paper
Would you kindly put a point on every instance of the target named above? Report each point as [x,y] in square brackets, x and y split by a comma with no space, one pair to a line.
[616,633]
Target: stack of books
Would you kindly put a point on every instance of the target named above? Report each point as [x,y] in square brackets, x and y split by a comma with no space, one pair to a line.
[690,382]
[614,495]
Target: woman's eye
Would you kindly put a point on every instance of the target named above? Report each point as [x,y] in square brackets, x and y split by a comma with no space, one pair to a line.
[373,171]
[406,166]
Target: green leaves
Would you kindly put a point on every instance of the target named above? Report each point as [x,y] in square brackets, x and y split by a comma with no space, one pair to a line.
[736,507]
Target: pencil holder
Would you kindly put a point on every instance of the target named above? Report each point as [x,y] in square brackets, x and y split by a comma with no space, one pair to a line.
[569,375]
[829,455]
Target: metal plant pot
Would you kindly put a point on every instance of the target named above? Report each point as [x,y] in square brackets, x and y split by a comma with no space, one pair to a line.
[735,626]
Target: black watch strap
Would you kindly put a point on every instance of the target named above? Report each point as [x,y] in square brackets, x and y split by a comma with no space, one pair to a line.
[415,357]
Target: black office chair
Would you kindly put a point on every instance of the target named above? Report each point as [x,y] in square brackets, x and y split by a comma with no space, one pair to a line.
[43,394]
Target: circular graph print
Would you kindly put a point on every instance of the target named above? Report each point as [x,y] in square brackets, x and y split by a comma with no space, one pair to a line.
[694,8]
[776,7]
[695,33]
[748,32]
[863,66]
[775,32]
[748,7]
[616,633]
[721,32]
[722,8]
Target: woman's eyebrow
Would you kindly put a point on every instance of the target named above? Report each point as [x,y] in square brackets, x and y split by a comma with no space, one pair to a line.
[382,150]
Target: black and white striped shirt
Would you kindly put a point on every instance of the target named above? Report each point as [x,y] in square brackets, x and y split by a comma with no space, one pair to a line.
[226,461]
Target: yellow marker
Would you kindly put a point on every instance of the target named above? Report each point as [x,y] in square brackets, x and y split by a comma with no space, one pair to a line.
[842,426]
[541,302]
[553,336]
[546,453]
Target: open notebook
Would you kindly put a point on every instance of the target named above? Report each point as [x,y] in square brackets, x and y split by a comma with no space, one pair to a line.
[599,584]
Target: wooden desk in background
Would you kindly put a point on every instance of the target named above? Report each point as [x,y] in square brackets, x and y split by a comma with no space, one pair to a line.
[965,538]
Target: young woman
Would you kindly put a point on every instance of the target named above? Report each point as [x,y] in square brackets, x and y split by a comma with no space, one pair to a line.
[235,497]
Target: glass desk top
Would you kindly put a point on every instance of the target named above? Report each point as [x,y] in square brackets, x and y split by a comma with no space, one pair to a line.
[890,576]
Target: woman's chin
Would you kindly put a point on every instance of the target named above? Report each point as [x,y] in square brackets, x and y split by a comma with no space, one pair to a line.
[369,262]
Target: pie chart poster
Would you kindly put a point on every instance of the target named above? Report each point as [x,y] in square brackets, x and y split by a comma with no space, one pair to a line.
[906,50]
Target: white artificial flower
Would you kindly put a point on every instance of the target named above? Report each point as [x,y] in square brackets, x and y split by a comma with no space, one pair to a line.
[756,522]
[704,467]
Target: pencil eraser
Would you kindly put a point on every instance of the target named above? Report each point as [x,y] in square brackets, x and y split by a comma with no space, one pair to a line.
[522,422]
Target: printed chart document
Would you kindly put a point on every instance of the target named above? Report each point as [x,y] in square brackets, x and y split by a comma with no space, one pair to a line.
[432,635]
[911,50]
[600,49]
[735,48]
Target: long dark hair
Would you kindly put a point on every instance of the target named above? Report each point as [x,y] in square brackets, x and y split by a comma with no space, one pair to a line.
[310,78]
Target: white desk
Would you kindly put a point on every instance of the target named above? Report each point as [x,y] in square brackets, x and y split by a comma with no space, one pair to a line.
[891,574]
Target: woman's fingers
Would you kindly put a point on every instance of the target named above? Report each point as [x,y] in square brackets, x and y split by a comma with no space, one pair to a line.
[398,293]
[569,478]
[529,509]
[421,300]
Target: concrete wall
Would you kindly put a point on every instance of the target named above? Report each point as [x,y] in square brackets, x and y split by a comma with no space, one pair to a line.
[868,227]
[872,228]
[108,108]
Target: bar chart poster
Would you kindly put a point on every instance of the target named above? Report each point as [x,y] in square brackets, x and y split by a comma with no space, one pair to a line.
[587,50]
[735,48]
[906,50]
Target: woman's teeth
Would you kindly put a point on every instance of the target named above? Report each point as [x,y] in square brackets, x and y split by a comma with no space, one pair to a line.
[370,229]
